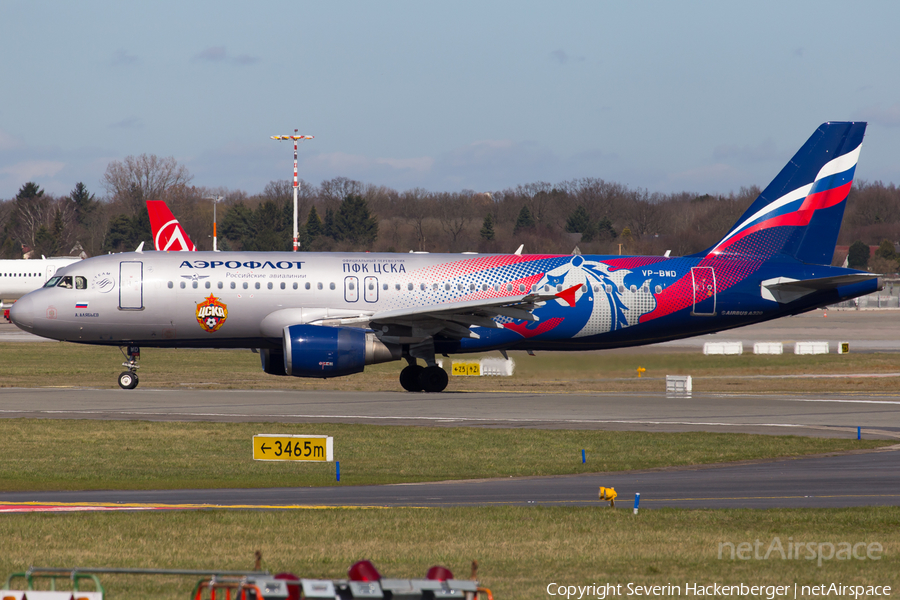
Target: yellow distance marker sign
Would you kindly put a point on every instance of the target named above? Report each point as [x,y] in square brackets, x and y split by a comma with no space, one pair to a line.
[272,446]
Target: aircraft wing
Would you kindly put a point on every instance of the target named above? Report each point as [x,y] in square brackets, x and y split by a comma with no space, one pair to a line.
[454,319]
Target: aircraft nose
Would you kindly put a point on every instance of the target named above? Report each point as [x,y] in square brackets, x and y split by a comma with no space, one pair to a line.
[22,313]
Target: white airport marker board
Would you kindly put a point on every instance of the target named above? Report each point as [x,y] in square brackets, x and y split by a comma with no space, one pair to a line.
[274,446]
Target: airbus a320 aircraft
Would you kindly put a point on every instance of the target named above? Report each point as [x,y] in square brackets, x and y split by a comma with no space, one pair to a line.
[331,314]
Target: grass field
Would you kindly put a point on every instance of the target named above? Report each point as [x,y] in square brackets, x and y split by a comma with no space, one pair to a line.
[44,454]
[61,364]
[519,550]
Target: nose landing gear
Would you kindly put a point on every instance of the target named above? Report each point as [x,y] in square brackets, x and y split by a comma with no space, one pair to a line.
[128,380]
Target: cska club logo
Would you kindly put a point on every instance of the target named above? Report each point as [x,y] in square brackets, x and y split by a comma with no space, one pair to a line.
[211,314]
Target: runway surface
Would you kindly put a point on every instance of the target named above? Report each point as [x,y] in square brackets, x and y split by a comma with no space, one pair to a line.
[858,479]
[822,415]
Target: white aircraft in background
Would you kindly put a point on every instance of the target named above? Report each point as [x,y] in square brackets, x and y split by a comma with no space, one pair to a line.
[20,276]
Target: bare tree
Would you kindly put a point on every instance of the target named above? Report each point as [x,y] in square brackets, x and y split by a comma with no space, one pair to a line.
[454,212]
[141,178]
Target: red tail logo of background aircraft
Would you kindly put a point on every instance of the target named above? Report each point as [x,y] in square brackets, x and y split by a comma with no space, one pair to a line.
[168,234]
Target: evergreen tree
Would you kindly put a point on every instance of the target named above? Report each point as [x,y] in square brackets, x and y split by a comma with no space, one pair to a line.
[328,225]
[487,227]
[579,221]
[85,205]
[268,231]
[858,255]
[29,190]
[524,221]
[353,222]
[314,227]
[235,225]
[886,250]
[604,228]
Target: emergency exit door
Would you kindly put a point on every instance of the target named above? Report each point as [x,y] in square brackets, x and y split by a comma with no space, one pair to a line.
[704,279]
[131,285]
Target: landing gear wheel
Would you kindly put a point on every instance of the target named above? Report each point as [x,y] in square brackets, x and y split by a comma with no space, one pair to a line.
[433,379]
[128,380]
[409,378]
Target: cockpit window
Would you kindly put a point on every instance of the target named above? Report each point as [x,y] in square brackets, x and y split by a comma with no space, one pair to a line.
[52,281]
[65,282]
[80,282]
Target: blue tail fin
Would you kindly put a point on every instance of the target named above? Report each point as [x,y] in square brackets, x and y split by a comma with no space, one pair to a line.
[799,214]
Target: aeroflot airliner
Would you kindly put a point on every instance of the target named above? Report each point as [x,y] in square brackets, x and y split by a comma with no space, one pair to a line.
[331,314]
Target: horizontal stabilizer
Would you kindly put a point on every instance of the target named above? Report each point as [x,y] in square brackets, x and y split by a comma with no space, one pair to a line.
[784,289]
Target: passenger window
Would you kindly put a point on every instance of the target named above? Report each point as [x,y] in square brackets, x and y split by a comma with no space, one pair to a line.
[171,285]
[66,282]
[220,285]
[385,287]
[409,286]
[194,284]
[233,285]
[471,287]
[633,288]
[207,285]
[269,285]
[447,287]
[351,286]
[296,285]
[559,288]
[181,285]
[80,283]
[307,285]
[256,285]
[583,287]
[659,289]
[422,286]
[319,285]
[434,286]
[246,285]
[508,287]
[331,286]
[282,285]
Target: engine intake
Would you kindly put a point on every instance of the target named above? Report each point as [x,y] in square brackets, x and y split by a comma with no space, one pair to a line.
[318,351]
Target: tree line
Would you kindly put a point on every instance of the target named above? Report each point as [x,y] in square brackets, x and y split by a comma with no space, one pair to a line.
[341,214]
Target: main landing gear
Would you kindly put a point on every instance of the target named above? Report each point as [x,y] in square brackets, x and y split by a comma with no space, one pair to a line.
[128,380]
[415,378]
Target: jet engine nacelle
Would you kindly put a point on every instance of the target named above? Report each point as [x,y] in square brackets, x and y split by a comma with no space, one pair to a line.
[319,351]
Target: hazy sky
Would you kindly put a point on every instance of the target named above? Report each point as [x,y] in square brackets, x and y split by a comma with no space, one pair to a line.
[667,96]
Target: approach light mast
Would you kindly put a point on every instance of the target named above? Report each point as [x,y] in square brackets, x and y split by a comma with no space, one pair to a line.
[296,138]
